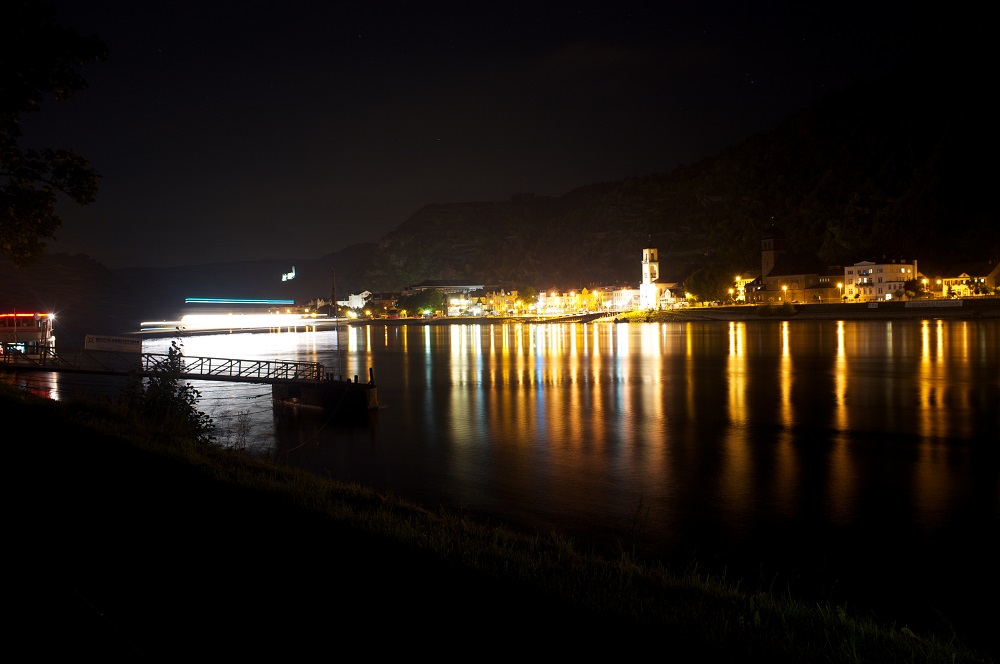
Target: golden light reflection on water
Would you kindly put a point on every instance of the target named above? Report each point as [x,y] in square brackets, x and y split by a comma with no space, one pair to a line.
[735,479]
[789,416]
[842,493]
[583,397]
[737,377]
[920,377]
[785,384]
[841,420]
[689,369]
[786,484]
[930,379]
[550,386]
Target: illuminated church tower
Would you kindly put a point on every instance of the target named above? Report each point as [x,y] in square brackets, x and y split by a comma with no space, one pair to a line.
[648,292]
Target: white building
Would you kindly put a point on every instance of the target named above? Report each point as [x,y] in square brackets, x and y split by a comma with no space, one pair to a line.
[358,301]
[969,279]
[622,299]
[868,281]
[652,293]
[650,273]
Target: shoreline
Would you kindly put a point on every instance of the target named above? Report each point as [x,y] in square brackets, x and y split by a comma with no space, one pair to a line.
[980,308]
[969,309]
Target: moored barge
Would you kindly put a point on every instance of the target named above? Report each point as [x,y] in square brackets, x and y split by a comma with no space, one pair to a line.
[331,396]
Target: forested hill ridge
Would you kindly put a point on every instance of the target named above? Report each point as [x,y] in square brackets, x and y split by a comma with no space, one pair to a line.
[897,169]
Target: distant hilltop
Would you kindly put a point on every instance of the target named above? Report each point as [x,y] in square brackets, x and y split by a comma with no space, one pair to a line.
[888,169]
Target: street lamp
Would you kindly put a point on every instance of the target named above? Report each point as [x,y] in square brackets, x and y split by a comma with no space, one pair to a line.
[784,293]
[841,287]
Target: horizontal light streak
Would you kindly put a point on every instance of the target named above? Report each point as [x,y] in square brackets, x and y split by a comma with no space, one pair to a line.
[235,321]
[234,300]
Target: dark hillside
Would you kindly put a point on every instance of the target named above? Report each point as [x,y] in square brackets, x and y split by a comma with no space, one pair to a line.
[898,169]
[85,296]
[893,169]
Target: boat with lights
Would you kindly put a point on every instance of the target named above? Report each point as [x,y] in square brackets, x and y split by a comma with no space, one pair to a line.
[27,333]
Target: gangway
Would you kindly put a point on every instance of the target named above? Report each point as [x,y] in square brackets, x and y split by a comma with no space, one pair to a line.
[115,363]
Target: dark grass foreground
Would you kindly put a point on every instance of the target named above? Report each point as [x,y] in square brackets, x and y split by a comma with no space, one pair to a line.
[125,549]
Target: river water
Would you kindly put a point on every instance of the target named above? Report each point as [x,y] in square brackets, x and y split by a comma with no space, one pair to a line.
[864,453]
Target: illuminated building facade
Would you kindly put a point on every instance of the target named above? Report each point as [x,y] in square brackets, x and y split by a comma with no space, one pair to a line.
[653,294]
[969,279]
[868,281]
[794,277]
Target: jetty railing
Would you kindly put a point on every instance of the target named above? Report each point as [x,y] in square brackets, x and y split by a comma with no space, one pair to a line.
[150,364]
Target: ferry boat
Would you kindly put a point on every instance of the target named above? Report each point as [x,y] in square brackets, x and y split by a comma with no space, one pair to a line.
[27,333]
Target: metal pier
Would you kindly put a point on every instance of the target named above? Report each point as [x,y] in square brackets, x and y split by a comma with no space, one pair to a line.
[112,363]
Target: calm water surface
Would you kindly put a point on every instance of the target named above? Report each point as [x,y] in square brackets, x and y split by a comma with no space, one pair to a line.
[864,451]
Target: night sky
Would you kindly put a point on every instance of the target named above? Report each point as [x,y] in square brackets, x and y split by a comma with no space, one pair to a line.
[233,131]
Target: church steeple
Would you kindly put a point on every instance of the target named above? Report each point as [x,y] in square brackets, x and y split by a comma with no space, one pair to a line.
[648,291]
[650,266]
[772,246]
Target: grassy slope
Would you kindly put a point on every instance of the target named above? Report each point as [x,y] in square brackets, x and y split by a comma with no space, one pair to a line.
[125,551]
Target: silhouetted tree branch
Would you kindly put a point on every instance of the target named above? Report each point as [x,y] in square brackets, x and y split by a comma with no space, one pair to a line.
[38,59]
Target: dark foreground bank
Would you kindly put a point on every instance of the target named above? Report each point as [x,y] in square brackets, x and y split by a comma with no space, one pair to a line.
[129,551]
